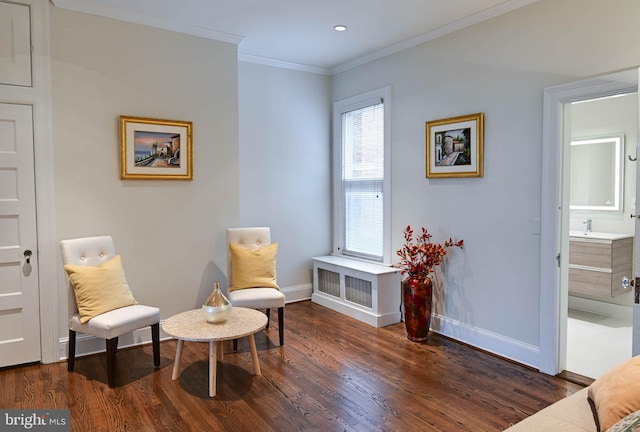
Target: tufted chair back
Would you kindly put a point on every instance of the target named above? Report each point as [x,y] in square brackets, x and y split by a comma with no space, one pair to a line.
[90,251]
[252,238]
[94,251]
[255,298]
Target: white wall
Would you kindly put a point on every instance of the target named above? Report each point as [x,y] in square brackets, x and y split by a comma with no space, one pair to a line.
[104,68]
[285,162]
[499,67]
[171,234]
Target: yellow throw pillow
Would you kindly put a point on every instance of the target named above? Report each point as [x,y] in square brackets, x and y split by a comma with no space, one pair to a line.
[99,289]
[253,268]
[616,394]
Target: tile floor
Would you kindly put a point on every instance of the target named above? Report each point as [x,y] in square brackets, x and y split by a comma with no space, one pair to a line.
[596,343]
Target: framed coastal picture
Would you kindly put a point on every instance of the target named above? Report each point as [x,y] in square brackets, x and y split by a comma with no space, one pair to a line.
[455,147]
[154,149]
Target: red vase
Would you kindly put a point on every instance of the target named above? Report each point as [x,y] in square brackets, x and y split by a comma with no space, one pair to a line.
[417,294]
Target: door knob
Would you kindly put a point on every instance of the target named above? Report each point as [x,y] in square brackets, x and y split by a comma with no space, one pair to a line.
[627,283]
[27,254]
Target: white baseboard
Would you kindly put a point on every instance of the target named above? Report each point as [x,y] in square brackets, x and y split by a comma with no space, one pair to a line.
[488,341]
[297,293]
[601,308]
[86,344]
[494,343]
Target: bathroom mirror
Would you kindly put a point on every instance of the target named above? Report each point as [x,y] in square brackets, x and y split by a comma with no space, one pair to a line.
[597,173]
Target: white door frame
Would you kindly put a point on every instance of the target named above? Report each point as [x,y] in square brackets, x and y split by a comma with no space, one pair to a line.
[553,294]
[39,96]
[48,249]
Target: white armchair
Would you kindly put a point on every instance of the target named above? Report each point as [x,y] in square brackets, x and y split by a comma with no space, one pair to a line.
[95,251]
[255,297]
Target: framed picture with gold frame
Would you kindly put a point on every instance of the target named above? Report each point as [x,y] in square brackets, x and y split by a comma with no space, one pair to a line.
[154,149]
[455,147]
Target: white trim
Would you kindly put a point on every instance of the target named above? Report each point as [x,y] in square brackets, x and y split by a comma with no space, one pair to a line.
[249,58]
[340,107]
[129,16]
[39,97]
[210,33]
[479,17]
[491,342]
[487,341]
[87,344]
[43,155]
[553,294]
[297,293]
[601,308]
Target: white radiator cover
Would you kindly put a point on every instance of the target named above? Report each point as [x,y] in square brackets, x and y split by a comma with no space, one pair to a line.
[368,292]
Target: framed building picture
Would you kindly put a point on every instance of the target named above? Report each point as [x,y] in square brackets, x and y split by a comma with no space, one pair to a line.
[153,149]
[455,147]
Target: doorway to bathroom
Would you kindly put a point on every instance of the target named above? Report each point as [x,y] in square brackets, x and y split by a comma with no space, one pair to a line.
[556,215]
[601,164]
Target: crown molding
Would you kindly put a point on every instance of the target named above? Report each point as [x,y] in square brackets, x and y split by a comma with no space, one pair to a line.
[124,15]
[209,33]
[477,18]
[249,58]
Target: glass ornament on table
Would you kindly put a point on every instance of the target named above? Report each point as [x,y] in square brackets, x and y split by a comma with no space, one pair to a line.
[217,307]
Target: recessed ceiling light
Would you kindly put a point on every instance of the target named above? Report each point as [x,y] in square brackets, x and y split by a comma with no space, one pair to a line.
[340,27]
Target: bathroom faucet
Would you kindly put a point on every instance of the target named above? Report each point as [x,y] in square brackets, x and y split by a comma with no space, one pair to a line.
[588,222]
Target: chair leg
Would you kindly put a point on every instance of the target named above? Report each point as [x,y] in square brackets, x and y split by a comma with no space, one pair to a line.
[268,317]
[281,324]
[71,358]
[112,347]
[155,338]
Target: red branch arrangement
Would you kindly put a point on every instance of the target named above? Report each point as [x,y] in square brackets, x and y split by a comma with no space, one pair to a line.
[419,257]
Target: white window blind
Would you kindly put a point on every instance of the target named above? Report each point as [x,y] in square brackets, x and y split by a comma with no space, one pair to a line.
[363,171]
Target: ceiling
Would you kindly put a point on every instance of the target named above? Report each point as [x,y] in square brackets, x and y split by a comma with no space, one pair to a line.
[299,33]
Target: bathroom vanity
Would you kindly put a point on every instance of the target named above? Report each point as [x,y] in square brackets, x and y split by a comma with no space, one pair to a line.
[597,263]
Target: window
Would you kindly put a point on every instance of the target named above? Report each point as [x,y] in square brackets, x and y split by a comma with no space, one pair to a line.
[361,176]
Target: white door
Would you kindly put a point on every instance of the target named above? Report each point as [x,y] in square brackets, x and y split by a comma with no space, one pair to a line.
[19,299]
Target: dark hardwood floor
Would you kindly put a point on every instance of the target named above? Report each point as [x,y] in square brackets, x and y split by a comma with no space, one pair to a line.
[333,374]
